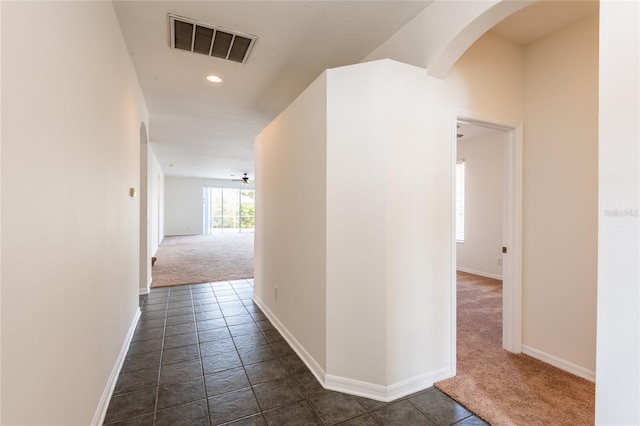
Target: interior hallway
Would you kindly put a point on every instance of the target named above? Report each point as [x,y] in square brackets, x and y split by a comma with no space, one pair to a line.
[205,354]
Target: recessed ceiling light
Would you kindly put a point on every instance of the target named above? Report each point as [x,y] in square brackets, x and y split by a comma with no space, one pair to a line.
[214,78]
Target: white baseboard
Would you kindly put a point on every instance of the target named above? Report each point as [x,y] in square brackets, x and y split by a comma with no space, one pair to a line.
[350,386]
[103,405]
[386,393]
[482,274]
[560,363]
[311,363]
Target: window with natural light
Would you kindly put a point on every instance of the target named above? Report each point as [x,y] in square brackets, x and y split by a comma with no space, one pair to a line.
[228,210]
[460,171]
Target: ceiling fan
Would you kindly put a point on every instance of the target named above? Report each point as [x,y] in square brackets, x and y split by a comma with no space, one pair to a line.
[244,181]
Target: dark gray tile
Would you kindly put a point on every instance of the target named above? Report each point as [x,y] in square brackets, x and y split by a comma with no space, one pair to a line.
[144,346]
[213,334]
[182,353]
[241,329]
[258,316]
[141,362]
[226,381]
[144,420]
[282,348]
[210,324]
[294,364]
[153,307]
[203,316]
[148,334]
[131,405]
[204,299]
[232,406]
[214,347]
[150,323]
[180,340]
[250,340]
[180,304]
[192,414]
[179,311]
[171,394]
[221,361]
[255,420]
[273,335]
[239,319]
[276,393]
[265,325]
[335,407]
[232,312]
[365,420]
[172,330]
[181,371]
[308,383]
[152,315]
[370,404]
[252,308]
[179,298]
[227,298]
[181,319]
[265,371]
[297,414]
[252,355]
[136,380]
[438,407]
[212,307]
[400,413]
[232,304]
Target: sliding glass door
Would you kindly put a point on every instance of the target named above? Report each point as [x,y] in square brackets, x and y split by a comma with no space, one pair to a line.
[228,210]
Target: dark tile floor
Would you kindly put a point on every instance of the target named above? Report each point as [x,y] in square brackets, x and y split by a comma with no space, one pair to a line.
[206,355]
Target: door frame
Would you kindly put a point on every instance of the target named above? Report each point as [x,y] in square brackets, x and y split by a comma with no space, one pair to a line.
[511,224]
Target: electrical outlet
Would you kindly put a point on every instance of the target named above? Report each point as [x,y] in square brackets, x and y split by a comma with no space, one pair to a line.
[499,261]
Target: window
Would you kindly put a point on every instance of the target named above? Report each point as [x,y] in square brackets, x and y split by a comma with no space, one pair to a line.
[228,210]
[460,171]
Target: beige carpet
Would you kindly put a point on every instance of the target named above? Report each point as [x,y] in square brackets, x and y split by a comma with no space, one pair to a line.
[203,258]
[503,388]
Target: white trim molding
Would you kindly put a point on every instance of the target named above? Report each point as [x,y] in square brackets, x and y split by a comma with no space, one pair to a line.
[350,386]
[103,405]
[512,226]
[311,363]
[480,273]
[562,364]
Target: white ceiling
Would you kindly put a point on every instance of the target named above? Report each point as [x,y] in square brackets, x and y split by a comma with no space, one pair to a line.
[201,129]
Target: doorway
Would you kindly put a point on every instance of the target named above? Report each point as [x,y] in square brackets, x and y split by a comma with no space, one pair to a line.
[503,260]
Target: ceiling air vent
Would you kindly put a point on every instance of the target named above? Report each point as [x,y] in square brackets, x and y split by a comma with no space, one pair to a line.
[194,36]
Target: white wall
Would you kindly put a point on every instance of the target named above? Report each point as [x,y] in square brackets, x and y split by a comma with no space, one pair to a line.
[489,81]
[618,369]
[482,245]
[388,240]
[71,115]
[291,222]
[183,203]
[561,194]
